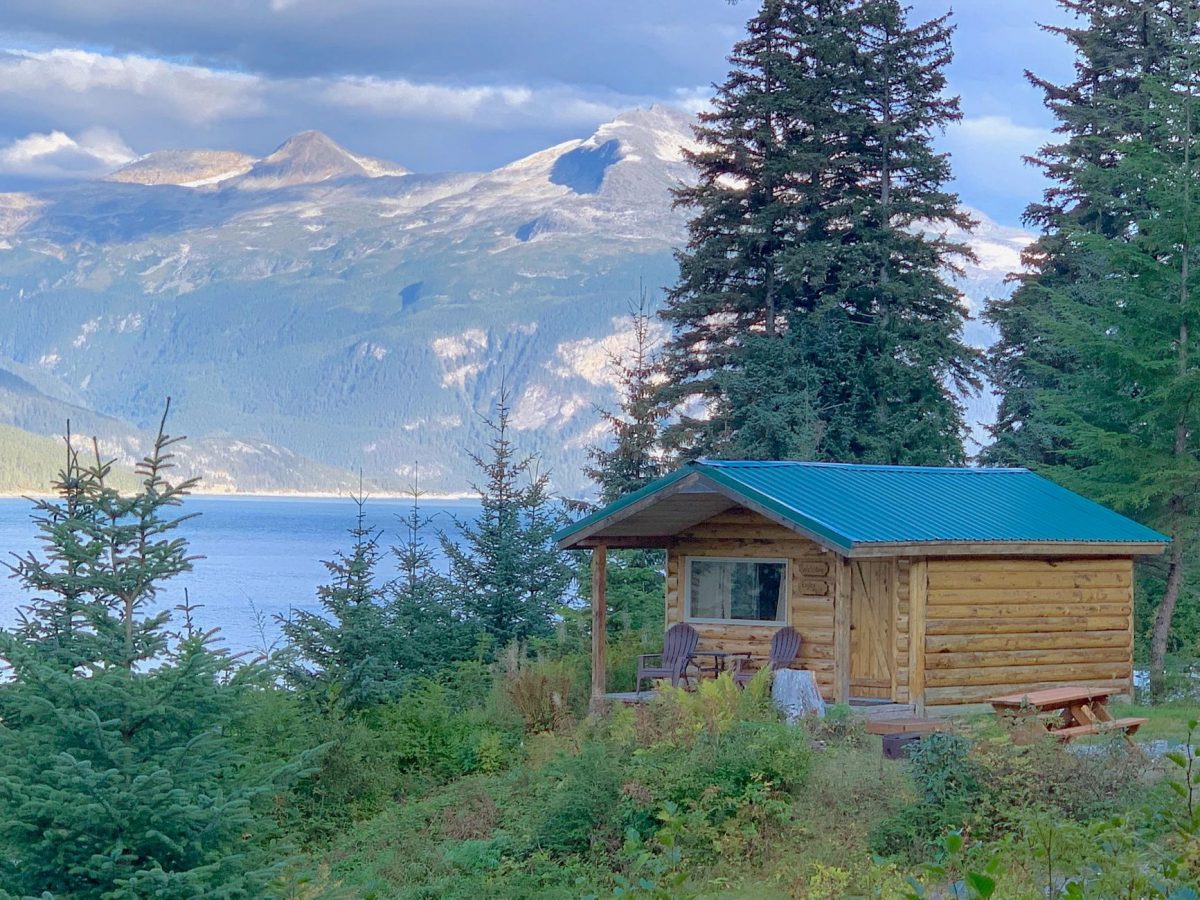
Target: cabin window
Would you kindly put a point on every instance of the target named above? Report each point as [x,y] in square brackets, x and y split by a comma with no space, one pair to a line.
[736,590]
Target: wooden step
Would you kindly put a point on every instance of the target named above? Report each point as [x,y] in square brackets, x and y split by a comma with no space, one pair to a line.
[906,725]
[1129,726]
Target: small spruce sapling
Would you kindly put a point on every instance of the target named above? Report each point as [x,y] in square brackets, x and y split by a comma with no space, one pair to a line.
[342,656]
[117,777]
[504,568]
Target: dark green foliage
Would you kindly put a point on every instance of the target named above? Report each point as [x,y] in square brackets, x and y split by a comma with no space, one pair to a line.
[810,251]
[505,571]
[117,777]
[431,630]
[582,802]
[986,786]
[435,732]
[769,404]
[1097,357]
[346,654]
[374,636]
[943,770]
[721,767]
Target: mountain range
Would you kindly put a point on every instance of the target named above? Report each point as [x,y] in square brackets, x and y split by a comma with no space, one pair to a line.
[315,313]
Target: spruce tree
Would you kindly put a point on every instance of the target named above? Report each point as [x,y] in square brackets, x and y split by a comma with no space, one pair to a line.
[344,656]
[631,458]
[814,242]
[1097,359]
[504,568]
[769,406]
[1118,44]
[117,779]
[432,631]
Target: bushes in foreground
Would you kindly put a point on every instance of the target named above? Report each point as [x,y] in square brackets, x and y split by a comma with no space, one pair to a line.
[708,791]
[986,786]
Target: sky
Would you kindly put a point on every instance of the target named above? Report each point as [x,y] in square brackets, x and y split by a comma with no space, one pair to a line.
[437,85]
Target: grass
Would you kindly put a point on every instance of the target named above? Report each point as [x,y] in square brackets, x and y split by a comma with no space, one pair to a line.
[1167,721]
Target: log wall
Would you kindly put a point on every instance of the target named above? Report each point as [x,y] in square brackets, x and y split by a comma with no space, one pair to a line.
[744,533]
[990,625]
[997,626]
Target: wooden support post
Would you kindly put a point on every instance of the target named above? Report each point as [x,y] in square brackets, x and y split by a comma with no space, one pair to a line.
[841,629]
[1132,607]
[599,627]
[918,599]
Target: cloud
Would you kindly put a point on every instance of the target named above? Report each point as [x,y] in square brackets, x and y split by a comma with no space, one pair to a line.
[58,155]
[70,78]
[988,158]
[69,90]
[400,97]
[487,106]
[623,45]
[1002,132]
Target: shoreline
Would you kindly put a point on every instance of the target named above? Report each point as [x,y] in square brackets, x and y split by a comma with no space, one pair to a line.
[277,495]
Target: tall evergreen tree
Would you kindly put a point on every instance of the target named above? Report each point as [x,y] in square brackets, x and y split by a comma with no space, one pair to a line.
[116,777]
[816,216]
[1097,359]
[504,568]
[1118,44]
[630,459]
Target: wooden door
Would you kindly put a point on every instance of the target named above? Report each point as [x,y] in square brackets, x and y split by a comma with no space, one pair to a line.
[873,628]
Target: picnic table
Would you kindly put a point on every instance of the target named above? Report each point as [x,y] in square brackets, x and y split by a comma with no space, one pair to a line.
[1065,712]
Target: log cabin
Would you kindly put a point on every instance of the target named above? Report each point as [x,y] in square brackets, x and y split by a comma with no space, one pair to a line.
[933,588]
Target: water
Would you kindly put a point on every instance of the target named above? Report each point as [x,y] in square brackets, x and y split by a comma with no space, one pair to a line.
[261,554]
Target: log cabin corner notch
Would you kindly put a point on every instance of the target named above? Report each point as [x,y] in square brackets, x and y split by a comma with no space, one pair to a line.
[935,587]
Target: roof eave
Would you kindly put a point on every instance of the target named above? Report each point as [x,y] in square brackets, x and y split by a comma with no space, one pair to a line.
[868,549]
[575,536]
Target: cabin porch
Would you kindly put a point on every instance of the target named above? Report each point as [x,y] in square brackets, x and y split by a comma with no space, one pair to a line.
[852,615]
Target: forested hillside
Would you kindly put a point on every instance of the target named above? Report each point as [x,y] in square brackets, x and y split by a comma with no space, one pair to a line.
[316,312]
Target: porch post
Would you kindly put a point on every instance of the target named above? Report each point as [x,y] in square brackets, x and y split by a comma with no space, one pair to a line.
[841,629]
[918,599]
[599,626]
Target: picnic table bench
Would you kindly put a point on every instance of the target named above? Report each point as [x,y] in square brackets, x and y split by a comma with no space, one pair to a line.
[1065,712]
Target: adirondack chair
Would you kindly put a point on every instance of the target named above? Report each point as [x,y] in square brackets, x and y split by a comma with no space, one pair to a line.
[678,647]
[784,646]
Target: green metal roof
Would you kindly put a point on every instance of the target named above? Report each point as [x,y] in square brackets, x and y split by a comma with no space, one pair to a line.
[852,505]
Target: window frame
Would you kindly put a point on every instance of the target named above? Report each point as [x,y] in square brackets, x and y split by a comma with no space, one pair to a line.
[785,594]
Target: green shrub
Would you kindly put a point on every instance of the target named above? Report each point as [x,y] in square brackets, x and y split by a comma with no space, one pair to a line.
[479,856]
[987,786]
[759,751]
[679,716]
[943,770]
[581,801]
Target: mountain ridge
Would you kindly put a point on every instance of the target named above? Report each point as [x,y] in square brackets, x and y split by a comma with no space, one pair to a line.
[351,313]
